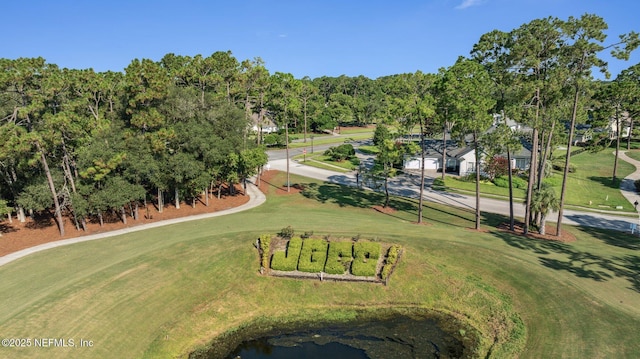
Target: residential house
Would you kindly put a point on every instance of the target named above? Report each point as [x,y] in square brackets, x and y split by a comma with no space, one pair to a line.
[461,158]
[625,126]
[263,123]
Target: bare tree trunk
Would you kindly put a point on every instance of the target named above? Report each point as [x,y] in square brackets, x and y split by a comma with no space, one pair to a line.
[444,150]
[286,140]
[205,195]
[543,224]
[386,190]
[615,162]
[545,155]
[160,201]
[477,155]
[9,216]
[75,221]
[52,188]
[136,211]
[21,216]
[532,176]
[305,120]
[100,218]
[532,166]
[177,196]
[422,156]
[510,174]
[631,121]
[567,160]
[123,215]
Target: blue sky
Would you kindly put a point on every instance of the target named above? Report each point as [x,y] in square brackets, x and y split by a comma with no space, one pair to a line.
[306,38]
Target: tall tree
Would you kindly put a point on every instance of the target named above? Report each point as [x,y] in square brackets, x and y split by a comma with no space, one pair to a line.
[283,100]
[584,43]
[533,51]
[469,82]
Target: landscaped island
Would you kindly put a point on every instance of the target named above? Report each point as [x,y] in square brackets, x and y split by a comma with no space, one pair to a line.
[324,258]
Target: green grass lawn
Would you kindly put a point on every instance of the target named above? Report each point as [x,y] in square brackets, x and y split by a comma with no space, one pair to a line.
[329,139]
[591,186]
[319,160]
[164,292]
[635,154]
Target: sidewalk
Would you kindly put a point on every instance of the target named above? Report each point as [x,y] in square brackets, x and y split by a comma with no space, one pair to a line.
[627,186]
[256,198]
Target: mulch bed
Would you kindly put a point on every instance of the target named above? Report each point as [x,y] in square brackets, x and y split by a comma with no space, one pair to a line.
[43,229]
[565,236]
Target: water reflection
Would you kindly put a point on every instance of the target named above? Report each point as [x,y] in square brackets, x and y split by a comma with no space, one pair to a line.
[400,337]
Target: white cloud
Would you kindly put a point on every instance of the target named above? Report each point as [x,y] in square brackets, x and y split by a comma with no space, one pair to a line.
[468,3]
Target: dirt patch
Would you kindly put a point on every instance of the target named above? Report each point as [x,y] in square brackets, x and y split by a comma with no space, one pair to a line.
[42,228]
[565,236]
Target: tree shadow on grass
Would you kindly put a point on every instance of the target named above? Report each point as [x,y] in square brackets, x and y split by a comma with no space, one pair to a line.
[606,181]
[582,264]
[347,196]
[594,226]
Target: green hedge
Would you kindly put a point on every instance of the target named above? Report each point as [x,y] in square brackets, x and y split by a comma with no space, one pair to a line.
[287,260]
[559,166]
[313,255]
[366,259]
[503,181]
[339,257]
[392,259]
[265,246]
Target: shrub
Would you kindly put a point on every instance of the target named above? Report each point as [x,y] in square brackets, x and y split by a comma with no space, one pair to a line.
[366,258]
[392,259]
[265,246]
[559,166]
[306,234]
[287,260]
[313,255]
[339,257]
[496,167]
[503,181]
[286,232]
[275,139]
[341,152]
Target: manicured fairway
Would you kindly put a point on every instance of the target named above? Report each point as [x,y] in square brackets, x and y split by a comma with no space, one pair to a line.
[168,291]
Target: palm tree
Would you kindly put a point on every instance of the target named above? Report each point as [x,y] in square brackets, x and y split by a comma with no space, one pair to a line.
[544,200]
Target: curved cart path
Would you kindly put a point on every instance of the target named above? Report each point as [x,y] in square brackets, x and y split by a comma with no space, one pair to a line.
[627,186]
[256,198]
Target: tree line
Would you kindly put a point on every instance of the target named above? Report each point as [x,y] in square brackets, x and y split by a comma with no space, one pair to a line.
[540,75]
[78,144]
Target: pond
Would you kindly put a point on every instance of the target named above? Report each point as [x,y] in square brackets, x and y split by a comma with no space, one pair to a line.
[397,337]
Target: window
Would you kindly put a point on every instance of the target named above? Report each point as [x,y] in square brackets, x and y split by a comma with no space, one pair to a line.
[522,163]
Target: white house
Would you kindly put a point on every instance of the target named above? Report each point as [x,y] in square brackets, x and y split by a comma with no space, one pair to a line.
[461,160]
[265,126]
[625,126]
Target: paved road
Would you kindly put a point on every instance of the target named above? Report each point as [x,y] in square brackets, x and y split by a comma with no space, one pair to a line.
[408,186]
